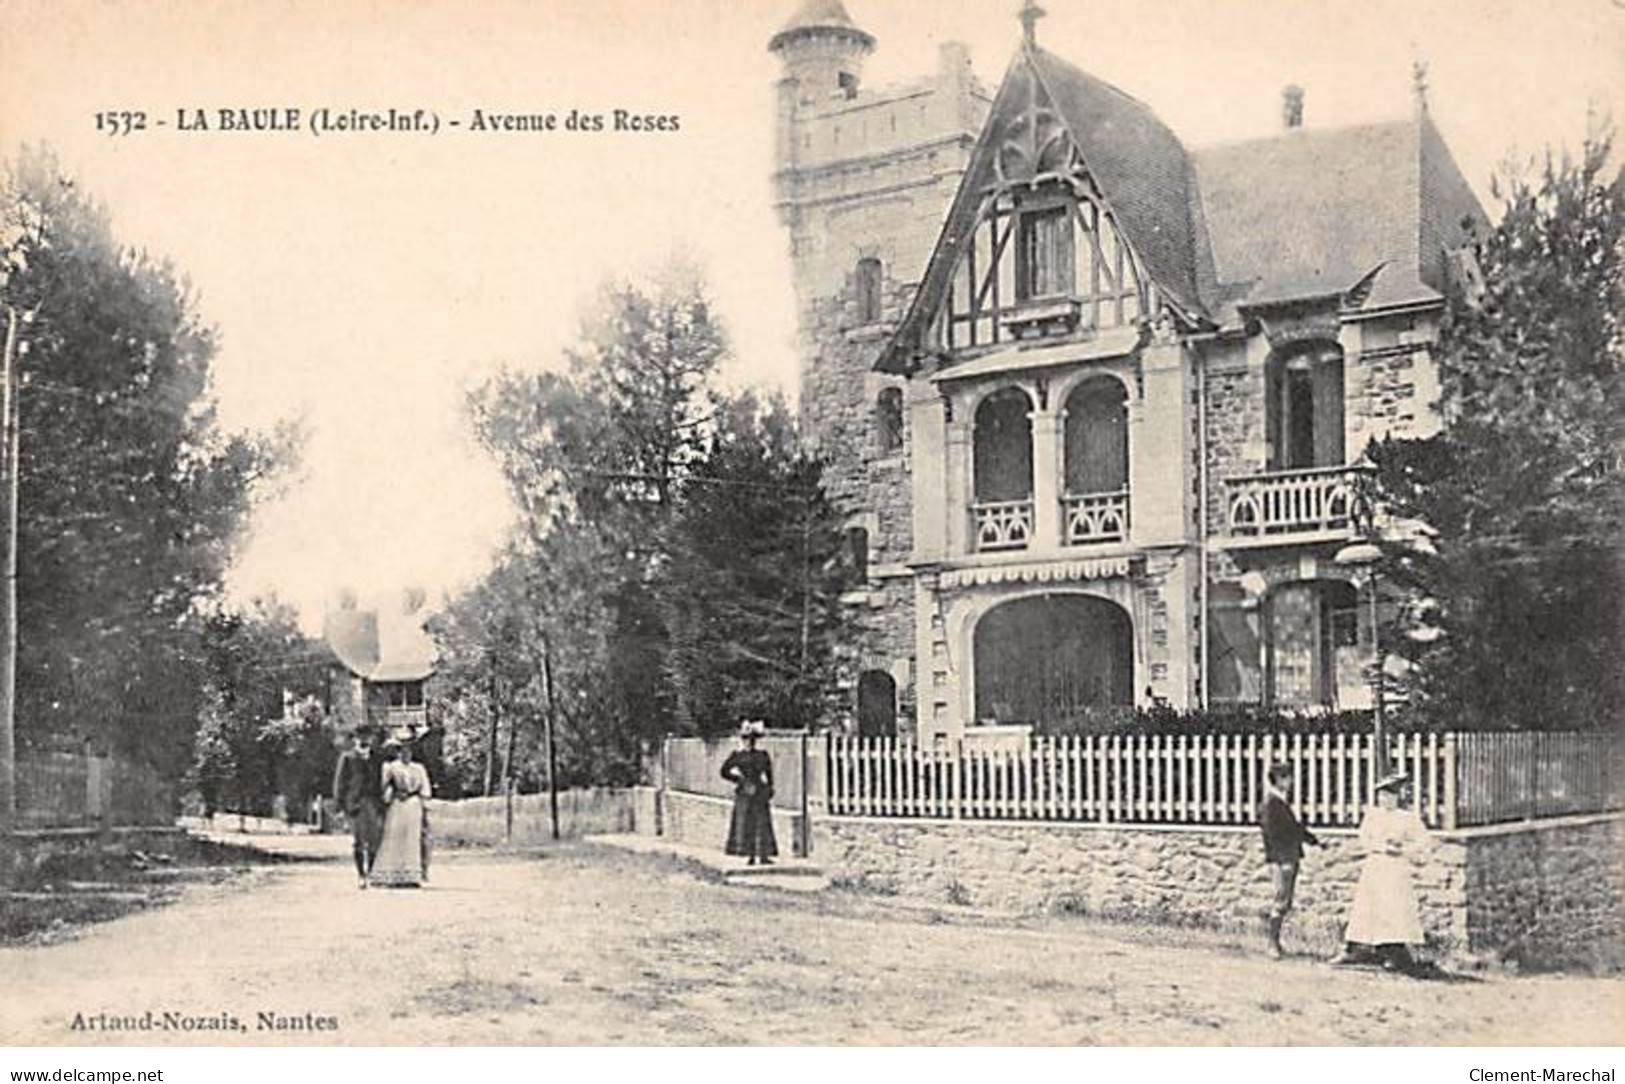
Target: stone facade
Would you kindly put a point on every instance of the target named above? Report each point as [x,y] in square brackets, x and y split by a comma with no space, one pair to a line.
[1547,894]
[865,183]
[865,175]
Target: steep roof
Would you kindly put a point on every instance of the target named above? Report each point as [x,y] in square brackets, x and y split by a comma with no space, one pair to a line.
[379,646]
[1139,164]
[1312,213]
[1298,215]
[352,636]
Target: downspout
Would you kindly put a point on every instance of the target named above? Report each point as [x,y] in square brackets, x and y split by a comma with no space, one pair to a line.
[1204,644]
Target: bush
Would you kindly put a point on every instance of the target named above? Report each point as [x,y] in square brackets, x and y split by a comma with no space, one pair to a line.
[1237,719]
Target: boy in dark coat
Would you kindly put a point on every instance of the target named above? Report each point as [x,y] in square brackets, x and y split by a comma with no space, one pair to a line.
[1284,837]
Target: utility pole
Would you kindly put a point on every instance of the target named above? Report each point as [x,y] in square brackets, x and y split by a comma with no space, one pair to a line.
[547,723]
[8,650]
[491,740]
[507,777]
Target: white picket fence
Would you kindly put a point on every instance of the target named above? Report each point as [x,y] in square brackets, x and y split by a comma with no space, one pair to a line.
[1219,779]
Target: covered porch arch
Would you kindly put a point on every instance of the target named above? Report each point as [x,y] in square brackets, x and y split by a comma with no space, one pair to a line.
[1050,657]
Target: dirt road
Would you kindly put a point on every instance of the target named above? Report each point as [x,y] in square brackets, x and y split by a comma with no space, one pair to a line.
[581,945]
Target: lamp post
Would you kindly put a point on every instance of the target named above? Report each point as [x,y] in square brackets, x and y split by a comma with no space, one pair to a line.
[1364,556]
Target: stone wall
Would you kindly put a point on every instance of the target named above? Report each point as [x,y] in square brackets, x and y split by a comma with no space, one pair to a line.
[581,812]
[1547,894]
[702,821]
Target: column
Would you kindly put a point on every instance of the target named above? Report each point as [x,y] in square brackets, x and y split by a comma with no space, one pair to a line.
[956,479]
[1046,480]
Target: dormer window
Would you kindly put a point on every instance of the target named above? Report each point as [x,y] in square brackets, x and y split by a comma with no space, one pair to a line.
[1045,260]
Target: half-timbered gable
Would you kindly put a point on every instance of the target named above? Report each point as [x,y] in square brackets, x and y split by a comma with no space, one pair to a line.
[1072,217]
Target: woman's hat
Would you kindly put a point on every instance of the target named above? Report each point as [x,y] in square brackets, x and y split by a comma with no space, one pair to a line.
[752,728]
[1392,781]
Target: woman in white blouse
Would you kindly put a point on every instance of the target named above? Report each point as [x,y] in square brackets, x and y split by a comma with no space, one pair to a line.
[1384,920]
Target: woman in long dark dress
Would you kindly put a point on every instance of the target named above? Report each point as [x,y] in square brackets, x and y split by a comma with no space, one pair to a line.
[750,770]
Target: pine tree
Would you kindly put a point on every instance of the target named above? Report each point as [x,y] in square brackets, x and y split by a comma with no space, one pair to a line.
[1516,614]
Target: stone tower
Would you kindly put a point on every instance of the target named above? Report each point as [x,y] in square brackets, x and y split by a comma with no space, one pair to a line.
[863,178]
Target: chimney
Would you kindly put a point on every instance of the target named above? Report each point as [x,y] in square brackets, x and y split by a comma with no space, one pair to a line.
[1292,106]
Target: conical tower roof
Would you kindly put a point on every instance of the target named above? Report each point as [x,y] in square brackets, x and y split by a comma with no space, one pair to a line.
[828,16]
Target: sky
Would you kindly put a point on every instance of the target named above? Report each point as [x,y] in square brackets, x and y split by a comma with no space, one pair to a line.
[366,282]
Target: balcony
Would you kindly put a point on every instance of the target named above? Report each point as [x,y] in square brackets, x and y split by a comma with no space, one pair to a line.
[1091,518]
[1003,525]
[390,719]
[1295,505]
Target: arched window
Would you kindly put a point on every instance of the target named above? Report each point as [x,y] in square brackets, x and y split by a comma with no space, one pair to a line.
[877,705]
[1002,455]
[1094,503]
[1097,437]
[1004,447]
[869,281]
[889,420]
[1304,407]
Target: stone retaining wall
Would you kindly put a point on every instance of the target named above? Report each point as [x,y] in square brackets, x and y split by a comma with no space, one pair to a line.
[1544,895]
[1548,893]
[588,811]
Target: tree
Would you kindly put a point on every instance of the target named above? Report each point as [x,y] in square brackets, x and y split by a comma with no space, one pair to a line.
[1515,612]
[249,747]
[130,494]
[751,591]
[592,457]
[656,515]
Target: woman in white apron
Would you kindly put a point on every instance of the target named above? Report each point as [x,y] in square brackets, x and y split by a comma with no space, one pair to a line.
[1384,920]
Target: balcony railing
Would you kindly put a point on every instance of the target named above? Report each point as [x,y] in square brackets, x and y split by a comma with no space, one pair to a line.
[1087,518]
[1003,525]
[1321,499]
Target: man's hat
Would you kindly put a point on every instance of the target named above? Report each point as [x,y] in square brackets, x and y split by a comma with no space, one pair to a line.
[1280,770]
[1392,781]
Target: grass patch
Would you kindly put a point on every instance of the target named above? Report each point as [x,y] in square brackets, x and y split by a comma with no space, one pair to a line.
[54,885]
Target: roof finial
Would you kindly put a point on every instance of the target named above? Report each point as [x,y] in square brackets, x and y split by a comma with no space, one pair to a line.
[1419,84]
[1029,16]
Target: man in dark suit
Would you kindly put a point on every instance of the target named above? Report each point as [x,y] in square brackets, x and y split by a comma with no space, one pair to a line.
[1284,837]
[359,791]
